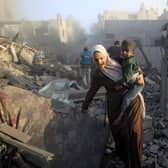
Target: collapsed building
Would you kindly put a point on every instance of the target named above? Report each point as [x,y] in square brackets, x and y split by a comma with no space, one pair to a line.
[41,123]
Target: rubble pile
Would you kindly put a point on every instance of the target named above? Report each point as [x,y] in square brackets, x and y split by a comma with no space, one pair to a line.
[151,93]
[25,67]
[16,61]
[34,95]
[72,137]
[155,151]
[65,133]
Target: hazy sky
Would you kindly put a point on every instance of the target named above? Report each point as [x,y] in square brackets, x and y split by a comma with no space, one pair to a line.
[85,11]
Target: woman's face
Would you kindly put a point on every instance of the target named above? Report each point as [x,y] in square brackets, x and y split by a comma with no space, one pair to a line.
[100,59]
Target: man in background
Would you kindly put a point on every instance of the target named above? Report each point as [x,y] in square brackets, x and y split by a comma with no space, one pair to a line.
[115,51]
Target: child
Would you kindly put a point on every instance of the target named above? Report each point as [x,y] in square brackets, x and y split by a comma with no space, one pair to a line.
[131,70]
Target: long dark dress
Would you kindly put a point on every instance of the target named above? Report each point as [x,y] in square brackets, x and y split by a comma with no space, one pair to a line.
[128,134]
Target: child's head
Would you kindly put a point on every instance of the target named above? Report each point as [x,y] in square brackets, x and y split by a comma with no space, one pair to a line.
[128,48]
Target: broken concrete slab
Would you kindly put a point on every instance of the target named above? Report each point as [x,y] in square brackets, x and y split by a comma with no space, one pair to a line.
[35,111]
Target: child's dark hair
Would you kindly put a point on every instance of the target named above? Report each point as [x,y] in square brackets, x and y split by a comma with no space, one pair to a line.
[128,45]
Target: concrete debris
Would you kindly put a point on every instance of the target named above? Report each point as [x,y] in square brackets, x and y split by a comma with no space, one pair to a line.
[32,108]
[70,136]
[49,98]
[23,71]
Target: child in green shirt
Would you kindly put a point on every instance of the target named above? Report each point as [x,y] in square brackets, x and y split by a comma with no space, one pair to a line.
[131,69]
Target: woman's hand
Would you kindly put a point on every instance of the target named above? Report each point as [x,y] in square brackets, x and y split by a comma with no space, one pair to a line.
[140,79]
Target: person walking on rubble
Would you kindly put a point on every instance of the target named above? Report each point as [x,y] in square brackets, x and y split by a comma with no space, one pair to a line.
[85,64]
[128,133]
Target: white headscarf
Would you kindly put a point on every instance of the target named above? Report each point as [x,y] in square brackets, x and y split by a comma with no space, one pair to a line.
[112,68]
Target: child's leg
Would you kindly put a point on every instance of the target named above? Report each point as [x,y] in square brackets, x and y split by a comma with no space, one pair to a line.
[130,95]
